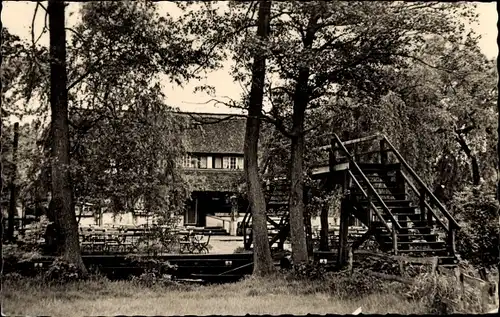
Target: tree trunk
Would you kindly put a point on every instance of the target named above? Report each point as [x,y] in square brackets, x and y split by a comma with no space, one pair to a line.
[297,232]
[263,264]
[323,238]
[13,187]
[476,177]
[300,101]
[309,238]
[62,196]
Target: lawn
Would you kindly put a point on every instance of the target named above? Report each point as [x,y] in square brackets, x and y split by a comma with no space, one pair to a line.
[254,296]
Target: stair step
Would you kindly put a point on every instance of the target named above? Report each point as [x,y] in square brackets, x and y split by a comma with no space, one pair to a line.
[409,234]
[382,227]
[378,166]
[356,192]
[402,214]
[388,202]
[376,181]
[422,250]
[421,242]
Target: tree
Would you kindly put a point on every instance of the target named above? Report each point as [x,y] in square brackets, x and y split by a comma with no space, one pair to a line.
[114,60]
[342,53]
[62,195]
[116,95]
[263,264]
[321,53]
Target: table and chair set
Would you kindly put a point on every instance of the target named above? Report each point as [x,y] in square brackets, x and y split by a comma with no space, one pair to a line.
[128,239]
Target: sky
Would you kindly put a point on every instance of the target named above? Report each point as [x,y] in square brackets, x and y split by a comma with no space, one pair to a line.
[17,17]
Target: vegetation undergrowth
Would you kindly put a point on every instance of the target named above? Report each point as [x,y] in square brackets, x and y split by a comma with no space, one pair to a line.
[339,291]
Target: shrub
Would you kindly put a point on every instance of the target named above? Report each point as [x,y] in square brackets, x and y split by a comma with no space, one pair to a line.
[152,265]
[442,294]
[63,272]
[477,240]
[14,258]
[355,285]
[309,271]
[33,237]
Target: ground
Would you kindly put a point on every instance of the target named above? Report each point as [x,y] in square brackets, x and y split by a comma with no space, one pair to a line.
[227,244]
[251,296]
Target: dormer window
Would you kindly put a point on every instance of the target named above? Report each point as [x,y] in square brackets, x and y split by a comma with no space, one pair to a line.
[232,162]
[213,161]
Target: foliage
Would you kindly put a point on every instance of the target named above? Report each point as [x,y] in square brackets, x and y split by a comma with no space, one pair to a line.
[439,113]
[34,235]
[477,212]
[115,95]
[13,254]
[442,295]
[309,271]
[152,278]
[63,272]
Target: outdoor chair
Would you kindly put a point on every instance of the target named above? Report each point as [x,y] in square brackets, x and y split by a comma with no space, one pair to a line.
[200,246]
[185,242]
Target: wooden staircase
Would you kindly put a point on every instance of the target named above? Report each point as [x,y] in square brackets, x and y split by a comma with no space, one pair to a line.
[385,193]
[276,193]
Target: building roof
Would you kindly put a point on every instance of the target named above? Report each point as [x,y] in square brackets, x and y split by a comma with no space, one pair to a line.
[214,133]
[214,180]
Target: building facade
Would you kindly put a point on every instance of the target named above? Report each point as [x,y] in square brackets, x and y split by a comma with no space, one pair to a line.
[213,166]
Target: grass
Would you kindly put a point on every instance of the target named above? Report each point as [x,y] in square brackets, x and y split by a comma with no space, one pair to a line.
[251,296]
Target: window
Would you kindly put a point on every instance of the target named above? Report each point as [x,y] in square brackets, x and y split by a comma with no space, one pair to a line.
[187,161]
[240,165]
[232,163]
[217,162]
[202,162]
[195,161]
[225,162]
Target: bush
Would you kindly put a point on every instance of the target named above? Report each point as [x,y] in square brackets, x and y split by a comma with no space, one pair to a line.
[152,278]
[152,265]
[241,250]
[309,271]
[15,258]
[33,237]
[63,272]
[355,285]
[442,295]
[477,240]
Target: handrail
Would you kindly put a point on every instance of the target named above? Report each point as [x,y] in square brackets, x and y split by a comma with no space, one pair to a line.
[349,142]
[422,184]
[415,190]
[372,205]
[358,169]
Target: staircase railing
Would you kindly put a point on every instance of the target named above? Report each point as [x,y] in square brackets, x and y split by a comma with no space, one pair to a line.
[396,225]
[423,193]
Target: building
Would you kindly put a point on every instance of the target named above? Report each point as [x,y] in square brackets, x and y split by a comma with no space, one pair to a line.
[213,166]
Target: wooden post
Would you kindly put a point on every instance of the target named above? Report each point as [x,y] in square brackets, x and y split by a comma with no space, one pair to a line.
[234,210]
[400,184]
[332,156]
[344,228]
[435,261]
[451,238]
[323,239]
[384,159]
[394,240]
[350,261]
[422,204]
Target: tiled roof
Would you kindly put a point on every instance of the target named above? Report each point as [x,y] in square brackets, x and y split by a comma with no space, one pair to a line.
[214,133]
[214,179]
